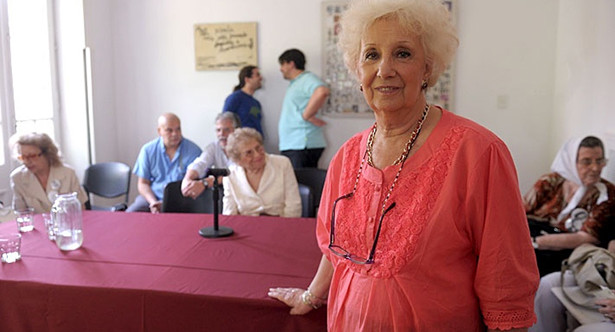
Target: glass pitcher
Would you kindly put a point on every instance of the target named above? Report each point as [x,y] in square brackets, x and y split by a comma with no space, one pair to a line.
[67,221]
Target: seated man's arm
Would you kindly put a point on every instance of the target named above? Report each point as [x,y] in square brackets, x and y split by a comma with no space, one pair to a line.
[192,186]
[189,182]
[564,241]
[145,189]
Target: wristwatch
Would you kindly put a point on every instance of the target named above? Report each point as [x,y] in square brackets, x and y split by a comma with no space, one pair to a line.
[204,181]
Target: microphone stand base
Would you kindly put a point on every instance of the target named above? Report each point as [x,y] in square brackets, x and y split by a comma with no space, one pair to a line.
[210,232]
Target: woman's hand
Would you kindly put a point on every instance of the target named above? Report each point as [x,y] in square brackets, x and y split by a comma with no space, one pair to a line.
[292,298]
[607,308]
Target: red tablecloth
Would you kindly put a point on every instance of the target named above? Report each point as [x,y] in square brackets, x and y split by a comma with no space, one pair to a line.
[144,272]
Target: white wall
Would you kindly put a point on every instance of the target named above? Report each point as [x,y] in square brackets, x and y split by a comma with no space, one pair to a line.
[70,42]
[585,74]
[508,70]
[506,55]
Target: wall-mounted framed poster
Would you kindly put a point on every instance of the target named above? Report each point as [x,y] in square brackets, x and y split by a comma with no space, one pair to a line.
[225,46]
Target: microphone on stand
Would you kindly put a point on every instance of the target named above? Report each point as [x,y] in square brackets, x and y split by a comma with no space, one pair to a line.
[215,231]
[218,172]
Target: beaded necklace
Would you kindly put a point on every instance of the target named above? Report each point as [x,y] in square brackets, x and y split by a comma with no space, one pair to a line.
[400,160]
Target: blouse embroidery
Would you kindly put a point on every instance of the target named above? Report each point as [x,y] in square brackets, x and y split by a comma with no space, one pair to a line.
[415,197]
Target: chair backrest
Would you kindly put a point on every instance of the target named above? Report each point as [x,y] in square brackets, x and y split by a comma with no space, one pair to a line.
[174,201]
[108,180]
[307,201]
[313,178]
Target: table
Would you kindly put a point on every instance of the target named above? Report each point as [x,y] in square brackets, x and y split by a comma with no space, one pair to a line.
[153,272]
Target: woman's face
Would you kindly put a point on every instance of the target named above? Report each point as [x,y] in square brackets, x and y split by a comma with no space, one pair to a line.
[392,67]
[32,157]
[590,162]
[251,155]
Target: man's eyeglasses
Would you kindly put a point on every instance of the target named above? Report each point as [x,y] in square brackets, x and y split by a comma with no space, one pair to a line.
[25,157]
[339,251]
[588,161]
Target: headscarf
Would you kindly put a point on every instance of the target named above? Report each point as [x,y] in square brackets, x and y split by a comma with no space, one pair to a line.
[565,164]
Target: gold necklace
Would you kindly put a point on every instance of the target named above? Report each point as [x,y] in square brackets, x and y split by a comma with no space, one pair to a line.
[406,151]
[402,158]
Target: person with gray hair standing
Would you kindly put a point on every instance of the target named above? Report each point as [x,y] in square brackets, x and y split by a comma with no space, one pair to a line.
[421,222]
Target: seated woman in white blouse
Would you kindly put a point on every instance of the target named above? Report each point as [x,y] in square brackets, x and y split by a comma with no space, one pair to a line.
[259,183]
[42,176]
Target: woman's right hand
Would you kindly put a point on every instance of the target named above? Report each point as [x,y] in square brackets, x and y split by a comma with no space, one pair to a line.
[607,308]
[292,298]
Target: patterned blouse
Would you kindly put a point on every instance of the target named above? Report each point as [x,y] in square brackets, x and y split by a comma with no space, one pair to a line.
[546,200]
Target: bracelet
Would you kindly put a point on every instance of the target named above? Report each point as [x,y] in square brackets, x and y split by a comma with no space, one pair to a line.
[534,243]
[313,301]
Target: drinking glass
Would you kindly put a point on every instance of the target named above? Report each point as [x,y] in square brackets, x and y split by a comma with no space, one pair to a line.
[24,219]
[10,247]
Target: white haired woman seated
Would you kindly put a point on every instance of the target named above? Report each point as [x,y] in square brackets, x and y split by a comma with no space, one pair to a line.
[259,183]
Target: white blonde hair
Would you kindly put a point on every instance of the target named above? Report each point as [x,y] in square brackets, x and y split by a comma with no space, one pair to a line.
[241,136]
[428,19]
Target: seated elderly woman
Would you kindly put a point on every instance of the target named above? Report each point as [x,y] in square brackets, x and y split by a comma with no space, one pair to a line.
[42,177]
[259,183]
[573,200]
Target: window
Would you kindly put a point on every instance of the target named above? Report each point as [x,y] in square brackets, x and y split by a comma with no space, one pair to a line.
[28,80]
[27,75]
[30,56]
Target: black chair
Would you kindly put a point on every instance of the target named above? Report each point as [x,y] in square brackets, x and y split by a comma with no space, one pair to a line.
[174,201]
[307,201]
[108,180]
[313,178]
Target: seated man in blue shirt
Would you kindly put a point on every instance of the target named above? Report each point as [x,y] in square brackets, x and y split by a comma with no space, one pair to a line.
[161,161]
[213,155]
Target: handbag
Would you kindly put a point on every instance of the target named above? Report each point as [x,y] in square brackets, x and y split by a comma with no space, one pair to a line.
[594,271]
[540,226]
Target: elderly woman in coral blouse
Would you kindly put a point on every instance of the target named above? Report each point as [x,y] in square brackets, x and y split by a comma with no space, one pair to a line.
[421,222]
[259,183]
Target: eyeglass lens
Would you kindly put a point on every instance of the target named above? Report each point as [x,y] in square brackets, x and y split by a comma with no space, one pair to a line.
[588,161]
[339,251]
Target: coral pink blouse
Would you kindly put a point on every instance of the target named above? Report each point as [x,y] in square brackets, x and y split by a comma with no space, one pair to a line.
[454,254]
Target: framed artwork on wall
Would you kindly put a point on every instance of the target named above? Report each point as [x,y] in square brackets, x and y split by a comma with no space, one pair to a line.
[346,100]
[225,46]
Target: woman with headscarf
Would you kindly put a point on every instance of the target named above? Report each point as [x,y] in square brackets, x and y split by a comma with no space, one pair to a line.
[574,200]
